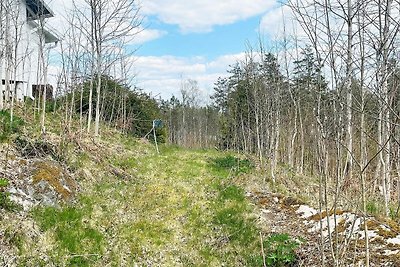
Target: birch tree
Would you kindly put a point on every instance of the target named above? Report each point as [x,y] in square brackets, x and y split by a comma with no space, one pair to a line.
[104,24]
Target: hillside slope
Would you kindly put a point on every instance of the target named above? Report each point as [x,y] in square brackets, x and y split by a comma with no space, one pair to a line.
[115,202]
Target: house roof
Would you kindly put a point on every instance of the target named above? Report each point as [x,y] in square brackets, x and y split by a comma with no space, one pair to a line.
[50,34]
[38,9]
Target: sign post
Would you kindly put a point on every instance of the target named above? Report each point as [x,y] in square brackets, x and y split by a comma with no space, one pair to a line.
[156,124]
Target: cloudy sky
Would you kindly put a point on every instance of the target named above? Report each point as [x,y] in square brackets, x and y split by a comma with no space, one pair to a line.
[195,39]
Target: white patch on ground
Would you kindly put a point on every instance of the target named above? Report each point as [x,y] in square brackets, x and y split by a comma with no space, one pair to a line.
[394,241]
[265,211]
[325,222]
[355,224]
[370,233]
[306,211]
[18,196]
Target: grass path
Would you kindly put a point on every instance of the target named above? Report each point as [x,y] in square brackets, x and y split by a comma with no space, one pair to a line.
[179,209]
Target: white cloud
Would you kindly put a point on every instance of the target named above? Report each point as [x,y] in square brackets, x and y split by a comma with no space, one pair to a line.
[163,75]
[203,15]
[279,21]
[146,35]
[62,9]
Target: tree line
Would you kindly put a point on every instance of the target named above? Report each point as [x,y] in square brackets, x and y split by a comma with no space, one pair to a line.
[93,81]
[325,104]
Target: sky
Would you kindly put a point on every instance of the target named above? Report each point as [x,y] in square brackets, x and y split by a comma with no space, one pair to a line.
[193,39]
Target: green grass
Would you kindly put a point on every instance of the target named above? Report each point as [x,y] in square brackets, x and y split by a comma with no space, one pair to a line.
[229,163]
[74,238]
[7,128]
[182,208]
[5,202]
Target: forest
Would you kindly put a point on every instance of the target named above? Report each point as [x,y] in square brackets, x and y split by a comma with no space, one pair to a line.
[313,118]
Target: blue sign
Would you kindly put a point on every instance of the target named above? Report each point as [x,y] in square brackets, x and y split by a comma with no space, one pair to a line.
[157,124]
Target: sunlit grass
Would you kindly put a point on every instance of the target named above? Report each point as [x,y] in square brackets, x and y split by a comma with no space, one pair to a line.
[180,208]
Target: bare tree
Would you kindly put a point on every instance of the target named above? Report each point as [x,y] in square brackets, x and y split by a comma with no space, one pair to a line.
[105,23]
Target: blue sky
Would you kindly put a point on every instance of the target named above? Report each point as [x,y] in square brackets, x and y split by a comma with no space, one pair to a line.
[194,39]
[199,39]
[230,38]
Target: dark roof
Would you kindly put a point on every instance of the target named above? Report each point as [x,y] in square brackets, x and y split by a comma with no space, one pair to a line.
[38,9]
[50,36]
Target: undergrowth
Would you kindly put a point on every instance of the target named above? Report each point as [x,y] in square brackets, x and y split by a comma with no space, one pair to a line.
[77,243]
[5,201]
[183,208]
[280,250]
[7,128]
[232,163]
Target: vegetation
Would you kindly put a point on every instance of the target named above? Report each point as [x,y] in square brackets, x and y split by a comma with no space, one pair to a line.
[319,115]
[127,109]
[5,202]
[181,207]
[8,127]
[280,250]
[83,244]
[234,164]
[191,122]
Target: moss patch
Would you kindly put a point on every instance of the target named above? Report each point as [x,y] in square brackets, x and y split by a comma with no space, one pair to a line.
[54,175]
[324,214]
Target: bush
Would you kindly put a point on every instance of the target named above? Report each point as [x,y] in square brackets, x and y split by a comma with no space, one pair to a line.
[280,250]
[36,148]
[7,127]
[140,107]
[233,163]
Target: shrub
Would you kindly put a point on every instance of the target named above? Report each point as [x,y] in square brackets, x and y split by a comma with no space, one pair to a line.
[36,148]
[280,250]
[7,127]
[232,163]
[140,107]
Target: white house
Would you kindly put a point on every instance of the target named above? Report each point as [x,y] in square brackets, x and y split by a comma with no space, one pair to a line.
[25,40]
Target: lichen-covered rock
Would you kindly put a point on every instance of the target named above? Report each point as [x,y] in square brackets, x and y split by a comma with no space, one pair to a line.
[41,181]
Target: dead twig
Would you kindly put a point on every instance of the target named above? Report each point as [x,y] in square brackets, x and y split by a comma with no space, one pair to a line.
[262,250]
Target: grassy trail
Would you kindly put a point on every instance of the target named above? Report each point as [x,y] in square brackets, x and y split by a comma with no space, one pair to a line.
[180,208]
